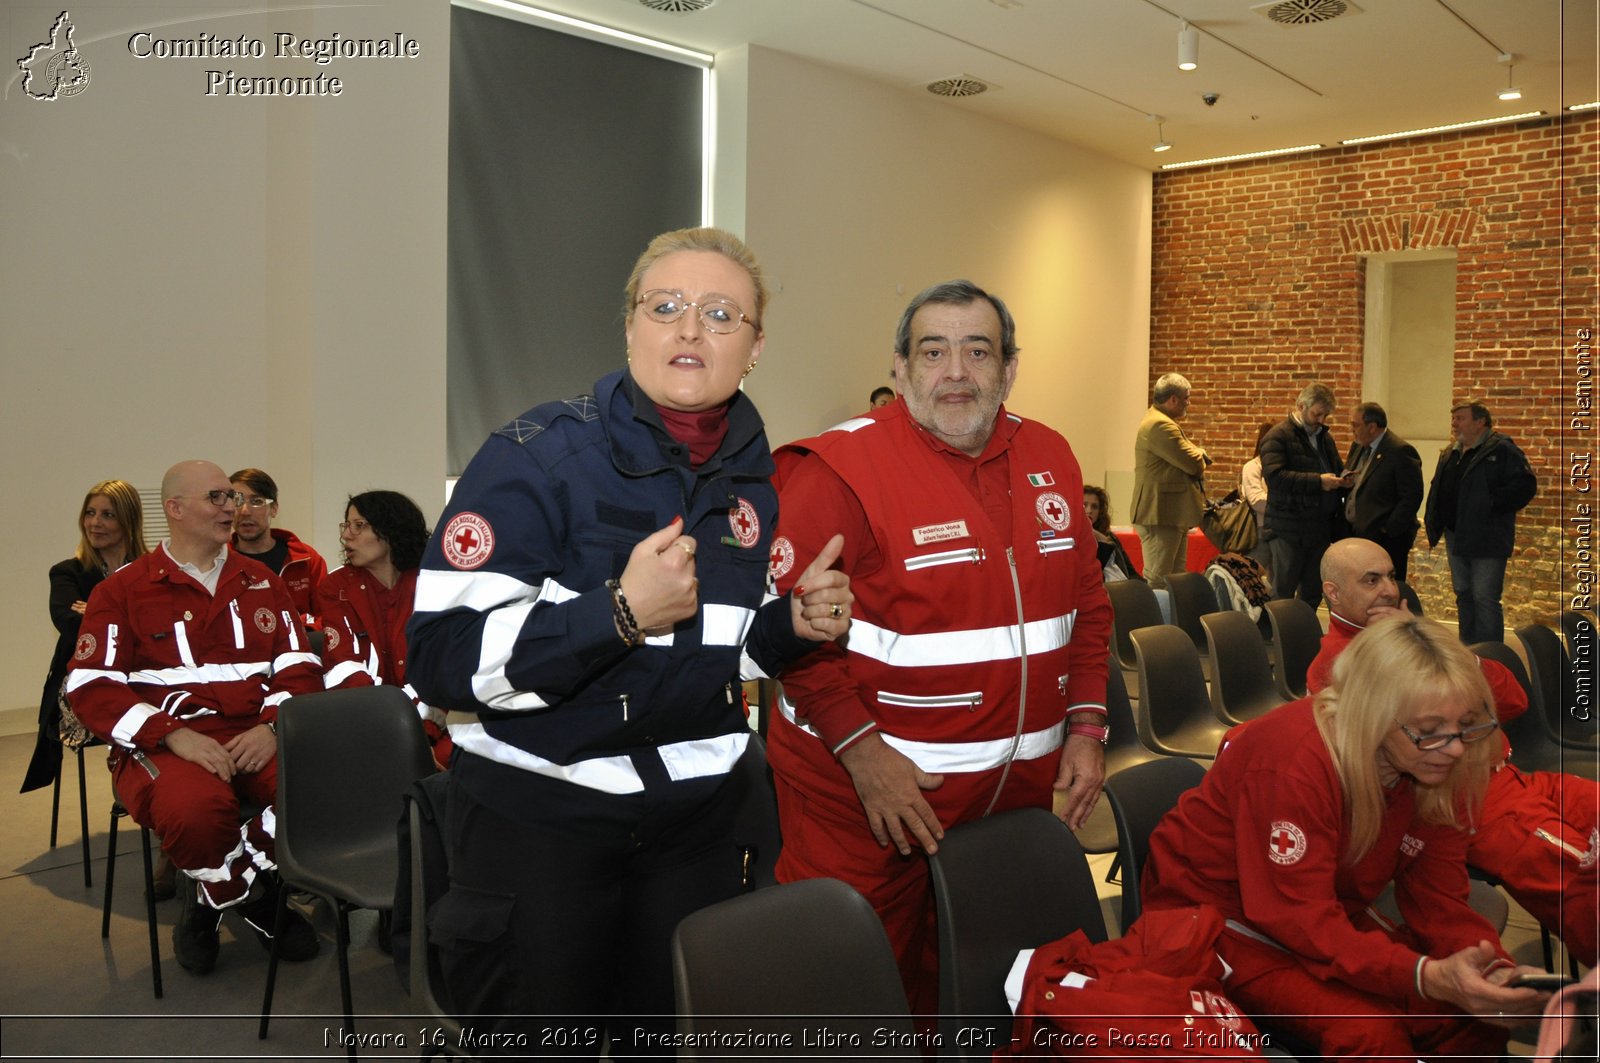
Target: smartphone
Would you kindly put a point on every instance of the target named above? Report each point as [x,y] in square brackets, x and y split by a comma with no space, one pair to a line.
[1543,981]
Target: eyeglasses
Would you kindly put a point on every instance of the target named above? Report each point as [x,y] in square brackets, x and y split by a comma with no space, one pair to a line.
[257,502]
[353,527]
[716,315]
[220,498]
[1440,739]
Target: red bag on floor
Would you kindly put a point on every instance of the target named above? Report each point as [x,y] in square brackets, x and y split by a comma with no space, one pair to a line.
[1154,993]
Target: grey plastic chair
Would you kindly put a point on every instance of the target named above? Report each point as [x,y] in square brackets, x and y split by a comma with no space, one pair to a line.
[1242,687]
[345,760]
[1174,716]
[1139,798]
[792,958]
[1133,606]
[1296,637]
[1007,882]
[1550,671]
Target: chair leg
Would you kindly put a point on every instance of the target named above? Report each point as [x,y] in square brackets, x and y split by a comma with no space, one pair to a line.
[111,871]
[55,806]
[344,976]
[280,919]
[150,909]
[83,820]
[1549,950]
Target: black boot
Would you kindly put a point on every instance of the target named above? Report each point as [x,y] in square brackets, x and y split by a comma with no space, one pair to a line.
[195,939]
[300,940]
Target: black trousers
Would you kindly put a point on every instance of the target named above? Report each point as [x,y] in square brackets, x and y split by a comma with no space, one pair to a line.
[557,926]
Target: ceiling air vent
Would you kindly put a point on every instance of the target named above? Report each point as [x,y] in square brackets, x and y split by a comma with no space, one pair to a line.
[1305,12]
[677,7]
[965,85]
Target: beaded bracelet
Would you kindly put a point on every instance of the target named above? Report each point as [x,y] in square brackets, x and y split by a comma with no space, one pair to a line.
[627,626]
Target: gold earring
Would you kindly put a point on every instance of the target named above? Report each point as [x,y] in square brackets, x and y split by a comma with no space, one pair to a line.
[749,369]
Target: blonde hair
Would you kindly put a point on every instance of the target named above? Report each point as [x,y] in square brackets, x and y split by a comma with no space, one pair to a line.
[1392,672]
[125,504]
[721,241]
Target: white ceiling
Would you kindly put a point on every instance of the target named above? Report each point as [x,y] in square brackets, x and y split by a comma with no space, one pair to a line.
[1089,71]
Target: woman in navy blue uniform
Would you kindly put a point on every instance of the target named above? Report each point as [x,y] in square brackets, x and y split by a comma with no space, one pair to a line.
[595,593]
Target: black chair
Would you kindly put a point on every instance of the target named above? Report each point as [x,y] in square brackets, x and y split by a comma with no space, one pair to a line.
[1139,798]
[797,958]
[1123,750]
[1408,594]
[1192,598]
[1533,746]
[118,812]
[1004,883]
[1242,687]
[83,808]
[345,758]
[426,876]
[1297,636]
[1174,716]
[1550,671]
[1133,605]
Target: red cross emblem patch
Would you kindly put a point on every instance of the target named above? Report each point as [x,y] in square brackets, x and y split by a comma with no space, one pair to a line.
[1286,843]
[330,639]
[1053,511]
[86,645]
[746,525]
[781,559]
[467,541]
[266,620]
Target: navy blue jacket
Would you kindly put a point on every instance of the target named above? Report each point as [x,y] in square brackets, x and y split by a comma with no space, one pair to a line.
[1298,509]
[513,621]
[1495,483]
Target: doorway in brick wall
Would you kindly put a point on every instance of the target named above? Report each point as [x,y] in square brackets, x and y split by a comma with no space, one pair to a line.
[1408,361]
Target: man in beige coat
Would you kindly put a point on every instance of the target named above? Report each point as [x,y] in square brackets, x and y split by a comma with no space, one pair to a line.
[1167,499]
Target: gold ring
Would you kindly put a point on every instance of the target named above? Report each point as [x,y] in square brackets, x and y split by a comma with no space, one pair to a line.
[836,612]
[685,547]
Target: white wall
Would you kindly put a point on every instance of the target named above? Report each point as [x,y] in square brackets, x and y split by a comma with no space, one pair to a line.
[858,195]
[255,281]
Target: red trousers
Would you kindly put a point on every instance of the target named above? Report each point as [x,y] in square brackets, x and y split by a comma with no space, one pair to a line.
[827,836]
[1271,986]
[198,817]
[1539,838]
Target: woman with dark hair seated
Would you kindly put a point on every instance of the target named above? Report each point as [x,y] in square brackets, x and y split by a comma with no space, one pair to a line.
[1114,560]
[1309,812]
[366,604]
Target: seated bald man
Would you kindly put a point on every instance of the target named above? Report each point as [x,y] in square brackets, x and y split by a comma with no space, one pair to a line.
[182,660]
[1538,833]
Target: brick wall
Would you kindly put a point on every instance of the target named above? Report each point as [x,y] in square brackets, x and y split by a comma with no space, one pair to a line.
[1258,281]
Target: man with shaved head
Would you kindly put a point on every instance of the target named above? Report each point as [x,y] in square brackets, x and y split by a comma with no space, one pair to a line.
[1537,832]
[182,660]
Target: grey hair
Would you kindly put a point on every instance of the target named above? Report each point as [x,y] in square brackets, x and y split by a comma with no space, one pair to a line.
[1168,385]
[1314,395]
[960,292]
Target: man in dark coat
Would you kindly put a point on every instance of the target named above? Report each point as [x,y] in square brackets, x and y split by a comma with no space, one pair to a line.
[1386,488]
[1303,473]
[1481,481]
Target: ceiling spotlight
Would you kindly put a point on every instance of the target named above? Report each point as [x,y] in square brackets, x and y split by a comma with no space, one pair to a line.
[1161,136]
[1510,92]
[1188,47]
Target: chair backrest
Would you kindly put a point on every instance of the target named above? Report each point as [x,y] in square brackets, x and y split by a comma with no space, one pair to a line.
[345,759]
[1192,598]
[428,878]
[1139,798]
[1577,627]
[1007,882]
[1174,714]
[1408,594]
[1123,748]
[1533,747]
[1297,635]
[1242,686]
[1133,605]
[797,958]
[1550,673]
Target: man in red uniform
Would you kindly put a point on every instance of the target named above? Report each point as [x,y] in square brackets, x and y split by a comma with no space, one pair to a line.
[1539,833]
[182,660]
[974,677]
[299,566]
